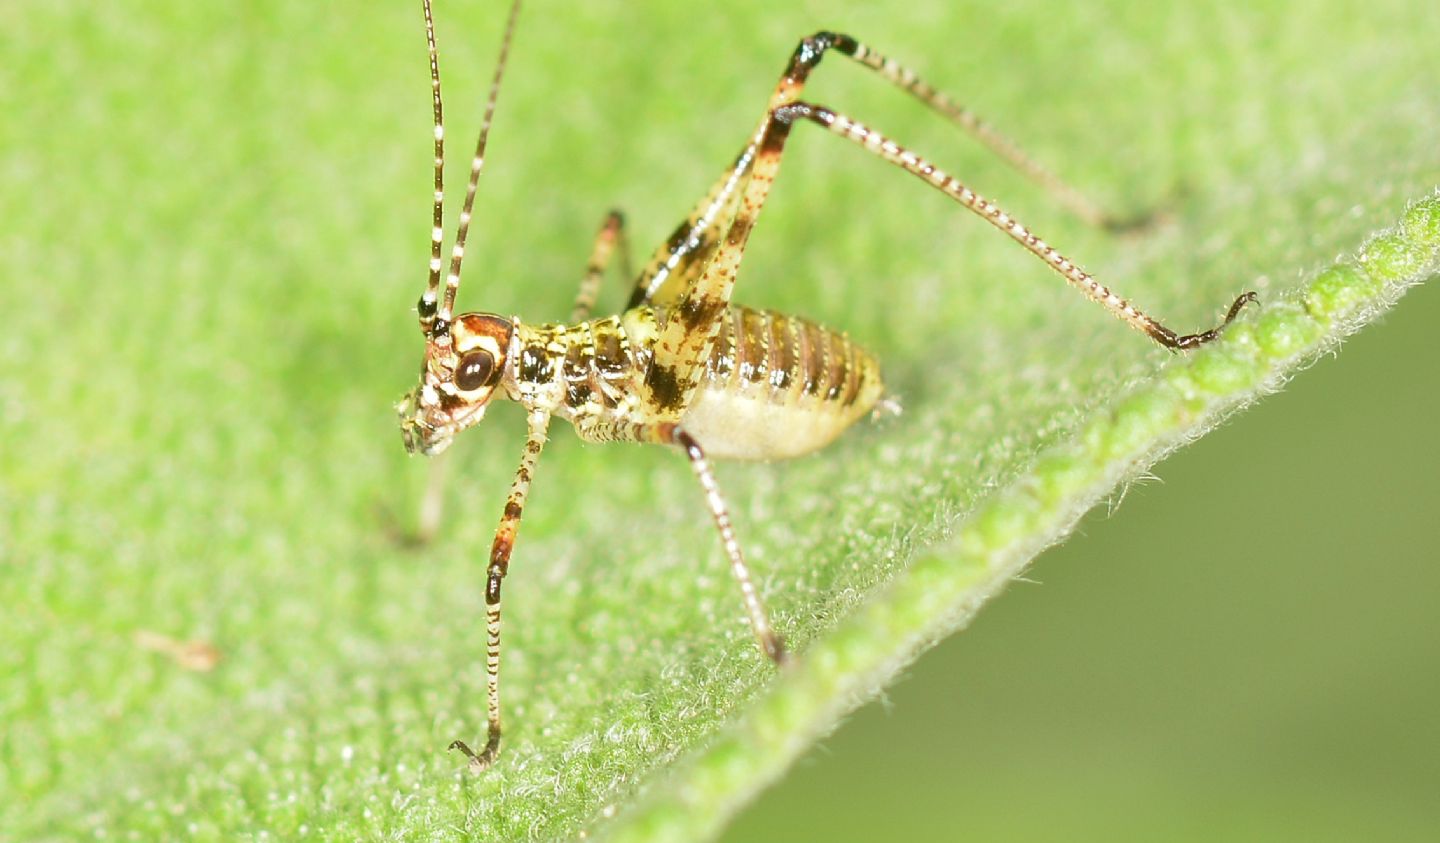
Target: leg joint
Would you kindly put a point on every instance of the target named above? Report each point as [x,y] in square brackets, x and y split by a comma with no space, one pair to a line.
[787,114]
[679,436]
[500,552]
[812,49]
[808,54]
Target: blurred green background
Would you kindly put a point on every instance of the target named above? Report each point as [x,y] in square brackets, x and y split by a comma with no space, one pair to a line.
[1248,649]
[215,221]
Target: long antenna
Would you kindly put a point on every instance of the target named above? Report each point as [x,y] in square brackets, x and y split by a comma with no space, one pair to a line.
[432,289]
[452,282]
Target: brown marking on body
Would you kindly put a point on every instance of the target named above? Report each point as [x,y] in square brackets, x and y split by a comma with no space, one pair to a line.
[610,358]
[536,365]
[700,312]
[740,231]
[664,386]
[574,367]
[782,352]
[838,359]
[753,357]
[815,375]
[576,394]
[817,345]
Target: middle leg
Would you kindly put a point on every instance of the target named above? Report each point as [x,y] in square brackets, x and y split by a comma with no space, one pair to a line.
[671,434]
[765,635]
[610,239]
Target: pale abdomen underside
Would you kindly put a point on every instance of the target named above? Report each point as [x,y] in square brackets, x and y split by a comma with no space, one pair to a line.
[777,386]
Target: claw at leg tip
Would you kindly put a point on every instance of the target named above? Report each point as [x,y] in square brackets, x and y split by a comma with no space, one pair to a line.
[480,762]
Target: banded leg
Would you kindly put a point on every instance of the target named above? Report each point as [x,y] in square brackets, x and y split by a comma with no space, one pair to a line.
[687,250]
[539,421]
[610,239]
[668,433]
[685,341]
[676,263]
[686,337]
[902,77]
[770,642]
[876,143]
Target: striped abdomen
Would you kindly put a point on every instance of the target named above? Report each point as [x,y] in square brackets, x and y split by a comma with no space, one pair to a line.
[777,386]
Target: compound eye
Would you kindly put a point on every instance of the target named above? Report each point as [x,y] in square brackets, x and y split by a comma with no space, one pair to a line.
[474,370]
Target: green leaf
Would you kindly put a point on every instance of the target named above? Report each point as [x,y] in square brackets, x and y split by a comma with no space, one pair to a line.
[216,224]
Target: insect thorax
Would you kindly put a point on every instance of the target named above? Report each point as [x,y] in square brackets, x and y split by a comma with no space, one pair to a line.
[588,372]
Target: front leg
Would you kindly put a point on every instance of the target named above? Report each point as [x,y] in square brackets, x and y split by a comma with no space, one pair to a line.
[499,564]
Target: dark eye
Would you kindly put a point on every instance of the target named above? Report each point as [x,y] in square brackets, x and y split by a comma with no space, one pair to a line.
[474,370]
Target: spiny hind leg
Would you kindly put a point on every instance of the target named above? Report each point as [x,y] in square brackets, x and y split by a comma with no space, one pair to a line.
[678,261]
[877,144]
[609,240]
[539,422]
[686,337]
[669,433]
[786,107]
[697,299]
[810,51]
